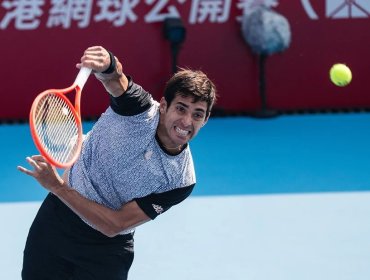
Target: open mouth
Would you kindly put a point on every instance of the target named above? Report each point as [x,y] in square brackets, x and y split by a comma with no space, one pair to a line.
[182,132]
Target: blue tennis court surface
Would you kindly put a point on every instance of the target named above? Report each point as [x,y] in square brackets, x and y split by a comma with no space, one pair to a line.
[285,198]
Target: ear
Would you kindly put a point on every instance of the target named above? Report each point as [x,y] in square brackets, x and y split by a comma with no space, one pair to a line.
[205,121]
[162,105]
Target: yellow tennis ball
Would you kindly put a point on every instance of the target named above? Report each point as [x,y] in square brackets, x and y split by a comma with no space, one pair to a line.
[340,74]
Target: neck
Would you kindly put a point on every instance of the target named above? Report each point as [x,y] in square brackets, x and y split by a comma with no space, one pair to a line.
[178,148]
[169,149]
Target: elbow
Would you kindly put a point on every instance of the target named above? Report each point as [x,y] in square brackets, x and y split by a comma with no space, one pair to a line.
[110,234]
[112,230]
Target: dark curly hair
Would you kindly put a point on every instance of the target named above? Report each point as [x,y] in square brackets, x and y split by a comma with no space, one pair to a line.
[193,83]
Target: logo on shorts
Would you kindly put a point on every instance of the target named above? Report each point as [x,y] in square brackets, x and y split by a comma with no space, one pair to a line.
[157,208]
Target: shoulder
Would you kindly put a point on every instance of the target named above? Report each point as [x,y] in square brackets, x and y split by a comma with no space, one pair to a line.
[134,101]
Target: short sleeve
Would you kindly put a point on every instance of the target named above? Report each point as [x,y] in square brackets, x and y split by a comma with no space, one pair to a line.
[158,203]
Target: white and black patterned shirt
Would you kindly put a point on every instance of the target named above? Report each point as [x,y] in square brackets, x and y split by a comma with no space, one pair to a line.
[122,159]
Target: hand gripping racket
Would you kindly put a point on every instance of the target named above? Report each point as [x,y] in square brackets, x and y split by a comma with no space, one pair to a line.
[55,123]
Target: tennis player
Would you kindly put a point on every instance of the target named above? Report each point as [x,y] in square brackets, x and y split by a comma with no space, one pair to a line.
[135,165]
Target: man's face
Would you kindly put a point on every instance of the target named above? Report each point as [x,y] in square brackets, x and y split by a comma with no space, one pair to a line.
[182,120]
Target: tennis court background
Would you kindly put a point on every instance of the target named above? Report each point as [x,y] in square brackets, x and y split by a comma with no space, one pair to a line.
[285,198]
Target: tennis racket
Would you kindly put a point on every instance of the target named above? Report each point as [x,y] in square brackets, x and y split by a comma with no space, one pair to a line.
[55,123]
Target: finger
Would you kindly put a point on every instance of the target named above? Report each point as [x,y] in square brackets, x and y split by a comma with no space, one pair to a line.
[42,163]
[33,163]
[39,158]
[95,54]
[95,50]
[25,170]
[99,55]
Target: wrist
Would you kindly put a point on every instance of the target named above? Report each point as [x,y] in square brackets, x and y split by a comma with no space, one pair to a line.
[115,83]
[60,189]
[112,65]
[114,70]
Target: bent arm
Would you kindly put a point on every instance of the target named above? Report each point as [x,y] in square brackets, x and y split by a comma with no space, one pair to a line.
[107,69]
[107,221]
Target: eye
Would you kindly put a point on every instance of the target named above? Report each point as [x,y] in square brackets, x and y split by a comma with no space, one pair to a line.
[198,116]
[180,109]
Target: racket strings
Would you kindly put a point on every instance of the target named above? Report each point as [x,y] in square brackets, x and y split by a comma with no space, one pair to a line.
[58,113]
[57,128]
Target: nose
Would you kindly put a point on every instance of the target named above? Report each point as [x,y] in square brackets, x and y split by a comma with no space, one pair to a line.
[186,120]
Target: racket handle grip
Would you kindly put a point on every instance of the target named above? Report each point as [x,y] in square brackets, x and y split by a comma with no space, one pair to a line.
[82,77]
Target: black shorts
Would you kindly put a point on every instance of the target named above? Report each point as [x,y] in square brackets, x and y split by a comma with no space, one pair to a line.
[61,246]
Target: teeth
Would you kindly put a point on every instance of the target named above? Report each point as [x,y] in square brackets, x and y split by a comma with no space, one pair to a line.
[181,131]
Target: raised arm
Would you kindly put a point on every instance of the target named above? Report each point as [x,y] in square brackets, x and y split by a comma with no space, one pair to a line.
[107,69]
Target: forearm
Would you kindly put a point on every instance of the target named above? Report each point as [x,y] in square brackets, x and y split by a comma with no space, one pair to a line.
[99,216]
[116,83]
[107,221]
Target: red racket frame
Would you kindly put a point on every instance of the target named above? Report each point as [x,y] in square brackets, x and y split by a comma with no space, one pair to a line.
[76,113]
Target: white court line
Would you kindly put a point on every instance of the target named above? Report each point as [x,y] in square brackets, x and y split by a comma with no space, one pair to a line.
[260,237]
[273,237]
